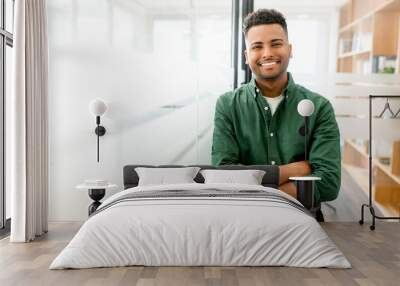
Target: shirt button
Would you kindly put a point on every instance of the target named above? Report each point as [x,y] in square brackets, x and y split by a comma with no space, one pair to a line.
[266,108]
[273,162]
[257,90]
[271,134]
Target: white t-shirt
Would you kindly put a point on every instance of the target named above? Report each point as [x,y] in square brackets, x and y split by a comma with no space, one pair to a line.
[273,102]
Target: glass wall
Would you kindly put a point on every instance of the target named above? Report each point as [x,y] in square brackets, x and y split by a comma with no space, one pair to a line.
[159,66]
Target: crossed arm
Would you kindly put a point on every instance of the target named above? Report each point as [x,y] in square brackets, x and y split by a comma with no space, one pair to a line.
[324,155]
[295,169]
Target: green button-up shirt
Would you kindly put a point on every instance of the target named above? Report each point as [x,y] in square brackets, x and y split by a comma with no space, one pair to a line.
[245,132]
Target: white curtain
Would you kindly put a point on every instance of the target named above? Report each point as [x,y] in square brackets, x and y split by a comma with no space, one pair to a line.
[28,159]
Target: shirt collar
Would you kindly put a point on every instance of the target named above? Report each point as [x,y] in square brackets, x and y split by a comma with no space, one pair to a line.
[286,92]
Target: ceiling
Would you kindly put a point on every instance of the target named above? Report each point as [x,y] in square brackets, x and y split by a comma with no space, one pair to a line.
[287,7]
[302,3]
[182,4]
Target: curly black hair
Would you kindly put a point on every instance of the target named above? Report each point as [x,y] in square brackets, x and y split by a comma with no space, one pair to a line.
[264,16]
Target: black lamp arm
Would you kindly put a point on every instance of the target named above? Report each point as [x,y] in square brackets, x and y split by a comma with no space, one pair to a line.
[306,119]
[100,131]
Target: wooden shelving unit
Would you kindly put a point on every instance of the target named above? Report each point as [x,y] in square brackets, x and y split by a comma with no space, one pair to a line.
[369,38]
[386,184]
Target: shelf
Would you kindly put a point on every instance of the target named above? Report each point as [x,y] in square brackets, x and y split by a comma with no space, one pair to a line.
[375,161]
[389,6]
[358,148]
[386,170]
[360,176]
[351,54]
[386,185]
[369,32]
[350,26]
[355,116]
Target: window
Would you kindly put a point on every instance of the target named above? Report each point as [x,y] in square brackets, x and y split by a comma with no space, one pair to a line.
[6,43]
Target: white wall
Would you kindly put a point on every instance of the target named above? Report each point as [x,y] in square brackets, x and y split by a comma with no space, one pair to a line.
[138,57]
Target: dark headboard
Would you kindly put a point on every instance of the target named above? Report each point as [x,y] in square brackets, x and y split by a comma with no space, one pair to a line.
[270,179]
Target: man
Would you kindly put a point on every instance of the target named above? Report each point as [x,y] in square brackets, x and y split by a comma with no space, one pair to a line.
[258,123]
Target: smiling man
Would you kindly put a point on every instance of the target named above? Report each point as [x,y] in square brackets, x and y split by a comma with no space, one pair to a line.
[258,123]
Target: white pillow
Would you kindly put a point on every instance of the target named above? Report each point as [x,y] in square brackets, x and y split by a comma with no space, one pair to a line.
[248,177]
[165,176]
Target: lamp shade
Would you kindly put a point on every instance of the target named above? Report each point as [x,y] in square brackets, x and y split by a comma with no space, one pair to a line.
[305,107]
[97,107]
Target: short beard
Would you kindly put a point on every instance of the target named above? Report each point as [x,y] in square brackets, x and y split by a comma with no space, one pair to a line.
[272,77]
[275,77]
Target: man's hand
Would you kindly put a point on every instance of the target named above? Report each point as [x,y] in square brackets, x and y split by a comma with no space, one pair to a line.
[295,169]
[289,188]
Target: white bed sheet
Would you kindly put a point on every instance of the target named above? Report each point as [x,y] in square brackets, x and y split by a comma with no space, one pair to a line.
[200,231]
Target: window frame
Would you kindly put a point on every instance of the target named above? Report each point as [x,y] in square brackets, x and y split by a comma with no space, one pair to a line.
[241,71]
[6,39]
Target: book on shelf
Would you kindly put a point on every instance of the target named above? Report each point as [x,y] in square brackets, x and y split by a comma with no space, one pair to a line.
[383,64]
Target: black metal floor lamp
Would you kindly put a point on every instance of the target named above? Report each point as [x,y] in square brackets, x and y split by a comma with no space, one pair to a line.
[370,205]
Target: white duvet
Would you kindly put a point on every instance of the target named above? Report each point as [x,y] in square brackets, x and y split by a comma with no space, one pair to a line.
[200,231]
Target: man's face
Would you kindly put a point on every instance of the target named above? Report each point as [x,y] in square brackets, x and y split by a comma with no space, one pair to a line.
[267,51]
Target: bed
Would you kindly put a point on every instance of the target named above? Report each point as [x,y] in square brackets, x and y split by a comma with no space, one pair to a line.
[201,224]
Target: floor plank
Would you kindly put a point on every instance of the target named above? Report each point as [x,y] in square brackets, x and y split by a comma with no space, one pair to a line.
[374,255]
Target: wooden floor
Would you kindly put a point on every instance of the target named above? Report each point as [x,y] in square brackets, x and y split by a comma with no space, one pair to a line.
[374,255]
